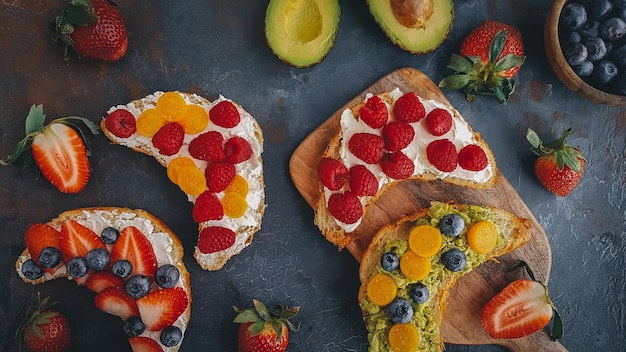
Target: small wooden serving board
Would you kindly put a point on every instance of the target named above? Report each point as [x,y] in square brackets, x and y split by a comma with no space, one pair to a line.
[461,324]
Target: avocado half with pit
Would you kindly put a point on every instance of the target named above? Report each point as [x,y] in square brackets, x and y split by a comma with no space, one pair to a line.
[301,32]
[417,26]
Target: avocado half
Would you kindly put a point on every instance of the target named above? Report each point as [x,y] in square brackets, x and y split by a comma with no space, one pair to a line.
[417,26]
[301,32]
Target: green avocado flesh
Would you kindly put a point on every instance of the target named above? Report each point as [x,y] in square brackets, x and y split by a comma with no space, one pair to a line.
[434,20]
[301,32]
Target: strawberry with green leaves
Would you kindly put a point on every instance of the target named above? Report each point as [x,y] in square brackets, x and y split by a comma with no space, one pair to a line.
[57,148]
[490,57]
[559,166]
[264,329]
[45,330]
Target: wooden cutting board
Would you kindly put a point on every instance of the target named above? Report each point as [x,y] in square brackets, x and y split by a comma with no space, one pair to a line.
[461,324]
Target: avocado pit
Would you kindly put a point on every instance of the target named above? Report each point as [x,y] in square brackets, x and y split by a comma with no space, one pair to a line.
[412,13]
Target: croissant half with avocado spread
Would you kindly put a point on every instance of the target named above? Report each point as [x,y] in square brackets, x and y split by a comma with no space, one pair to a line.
[410,265]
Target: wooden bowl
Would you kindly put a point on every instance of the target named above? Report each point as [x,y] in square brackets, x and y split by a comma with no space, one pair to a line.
[562,68]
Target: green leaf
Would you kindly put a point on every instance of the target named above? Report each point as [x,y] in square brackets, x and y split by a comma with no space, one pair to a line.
[457,81]
[560,163]
[256,328]
[557,326]
[459,63]
[247,316]
[496,45]
[278,327]
[35,119]
[501,96]
[509,61]
[570,158]
[262,310]
[80,13]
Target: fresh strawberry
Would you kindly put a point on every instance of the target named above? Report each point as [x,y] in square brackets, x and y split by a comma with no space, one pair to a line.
[438,122]
[332,173]
[520,309]
[491,55]
[77,240]
[397,135]
[219,175]
[38,237]
[409,108]
[121,123]
[559,166]
[161,308]
[237,150]
[144,344]
[442,154]
[58,150]
[169,138]
[94,28]
[215,238]
[101,280]
[115,301]
[224,114]
[133,246]
[264,329]
[362,181]
[207,207]
[45,330]
[374,113]
[472,157]
[366,146]
[208,146]
[345,207]
[397,165]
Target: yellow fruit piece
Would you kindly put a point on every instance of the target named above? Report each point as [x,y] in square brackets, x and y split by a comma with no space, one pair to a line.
[172,106]
[175,165]
[238,185]
[482,237]
[425,240]
[413,266]
[381,289]
[234,205]
[149,122]
[404,338]
[191,180]
[195,119]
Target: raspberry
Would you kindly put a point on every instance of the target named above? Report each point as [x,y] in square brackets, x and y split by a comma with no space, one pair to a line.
[219,175]
[169,138]
[366,146]
[332,173]
[397,165]
[409,108]
[397,135]
[442,154]
[224,114]
[345,207]
[207,146]
[237,150]
[121,123]
[438,122]
[207,207]
[472,157]
[374,112]
[215,238]
[362,181]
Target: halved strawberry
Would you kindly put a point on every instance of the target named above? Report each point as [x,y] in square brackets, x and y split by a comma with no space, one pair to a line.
[160,309]
[77,240]
[144,344]
[116,301]
[133,246]
[100,280]
[38,237]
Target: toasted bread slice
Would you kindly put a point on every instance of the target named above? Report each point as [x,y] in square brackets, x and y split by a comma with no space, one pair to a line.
[513,232]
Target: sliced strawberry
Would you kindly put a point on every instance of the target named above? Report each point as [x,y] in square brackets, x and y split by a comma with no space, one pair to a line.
[60,154]
[100,280]
[38,237]
[77,240]
[133,246]
[144,344]
[116,301]
[160,309]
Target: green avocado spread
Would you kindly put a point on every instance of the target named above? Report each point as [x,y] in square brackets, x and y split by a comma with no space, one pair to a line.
[377,319]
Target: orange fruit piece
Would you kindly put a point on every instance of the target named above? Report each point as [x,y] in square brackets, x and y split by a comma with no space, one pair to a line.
[234,205]
[195,119]
[413,266]
[381,289]
[404,338]
[175,165]
[425,240]
[172,106]
[149,122]
[482,237]
[191,180]
[238,185]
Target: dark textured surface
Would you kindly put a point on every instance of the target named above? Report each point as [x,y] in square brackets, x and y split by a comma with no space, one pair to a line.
[218,47]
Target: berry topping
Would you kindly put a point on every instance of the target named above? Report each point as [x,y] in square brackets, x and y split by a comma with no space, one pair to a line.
[367,147]
[438,122]
[101,280]
[208,146]
[77,267]
[144,344]
[133,246]
[77,240]
[400,311]
[115,301]
[573,16]
[224,114]
[409,108]
[167,276]
[176,164]
[109,235]
[362,181]
[472,157]
[374,112]
[425,240]
[133,326]
[219,175]
[403,337]
[121,123]
[237,150]
[482,237]
[381,289]
[234,205]
[215,238]
[138,286]
[195,119]
[172,106]
[149,122]
[397,135]
[419,293]
[38,237]
[332,173]
[169,138]
[345,207]
[454,259]
[207,207]
[397,165]
[122,268]
[191,180]
[97,259]
[238,185]
[442,154]
[389,261]
[171,336]
[451,224]
[49,257]
[161,308]
[31,270]
[413,266]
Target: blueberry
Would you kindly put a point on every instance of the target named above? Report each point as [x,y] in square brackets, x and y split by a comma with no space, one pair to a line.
[620,13]
[49,257]
[573,16]
[600,9]
[138,286]
[389,261]
[612,29]
[584,69]
[576,55]
[570,38]
[166,276]
[31,270]
[77,267]
[98,259]
[419,293]
[109,235]
[133,326]
[454,259]
[619,57]
[619,4]
[604,72]
[596,49]
[400,311]
[171,336]
[122,268]
[451,224]
[589,29]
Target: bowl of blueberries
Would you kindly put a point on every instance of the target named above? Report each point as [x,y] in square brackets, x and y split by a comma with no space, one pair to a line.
[585,41]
